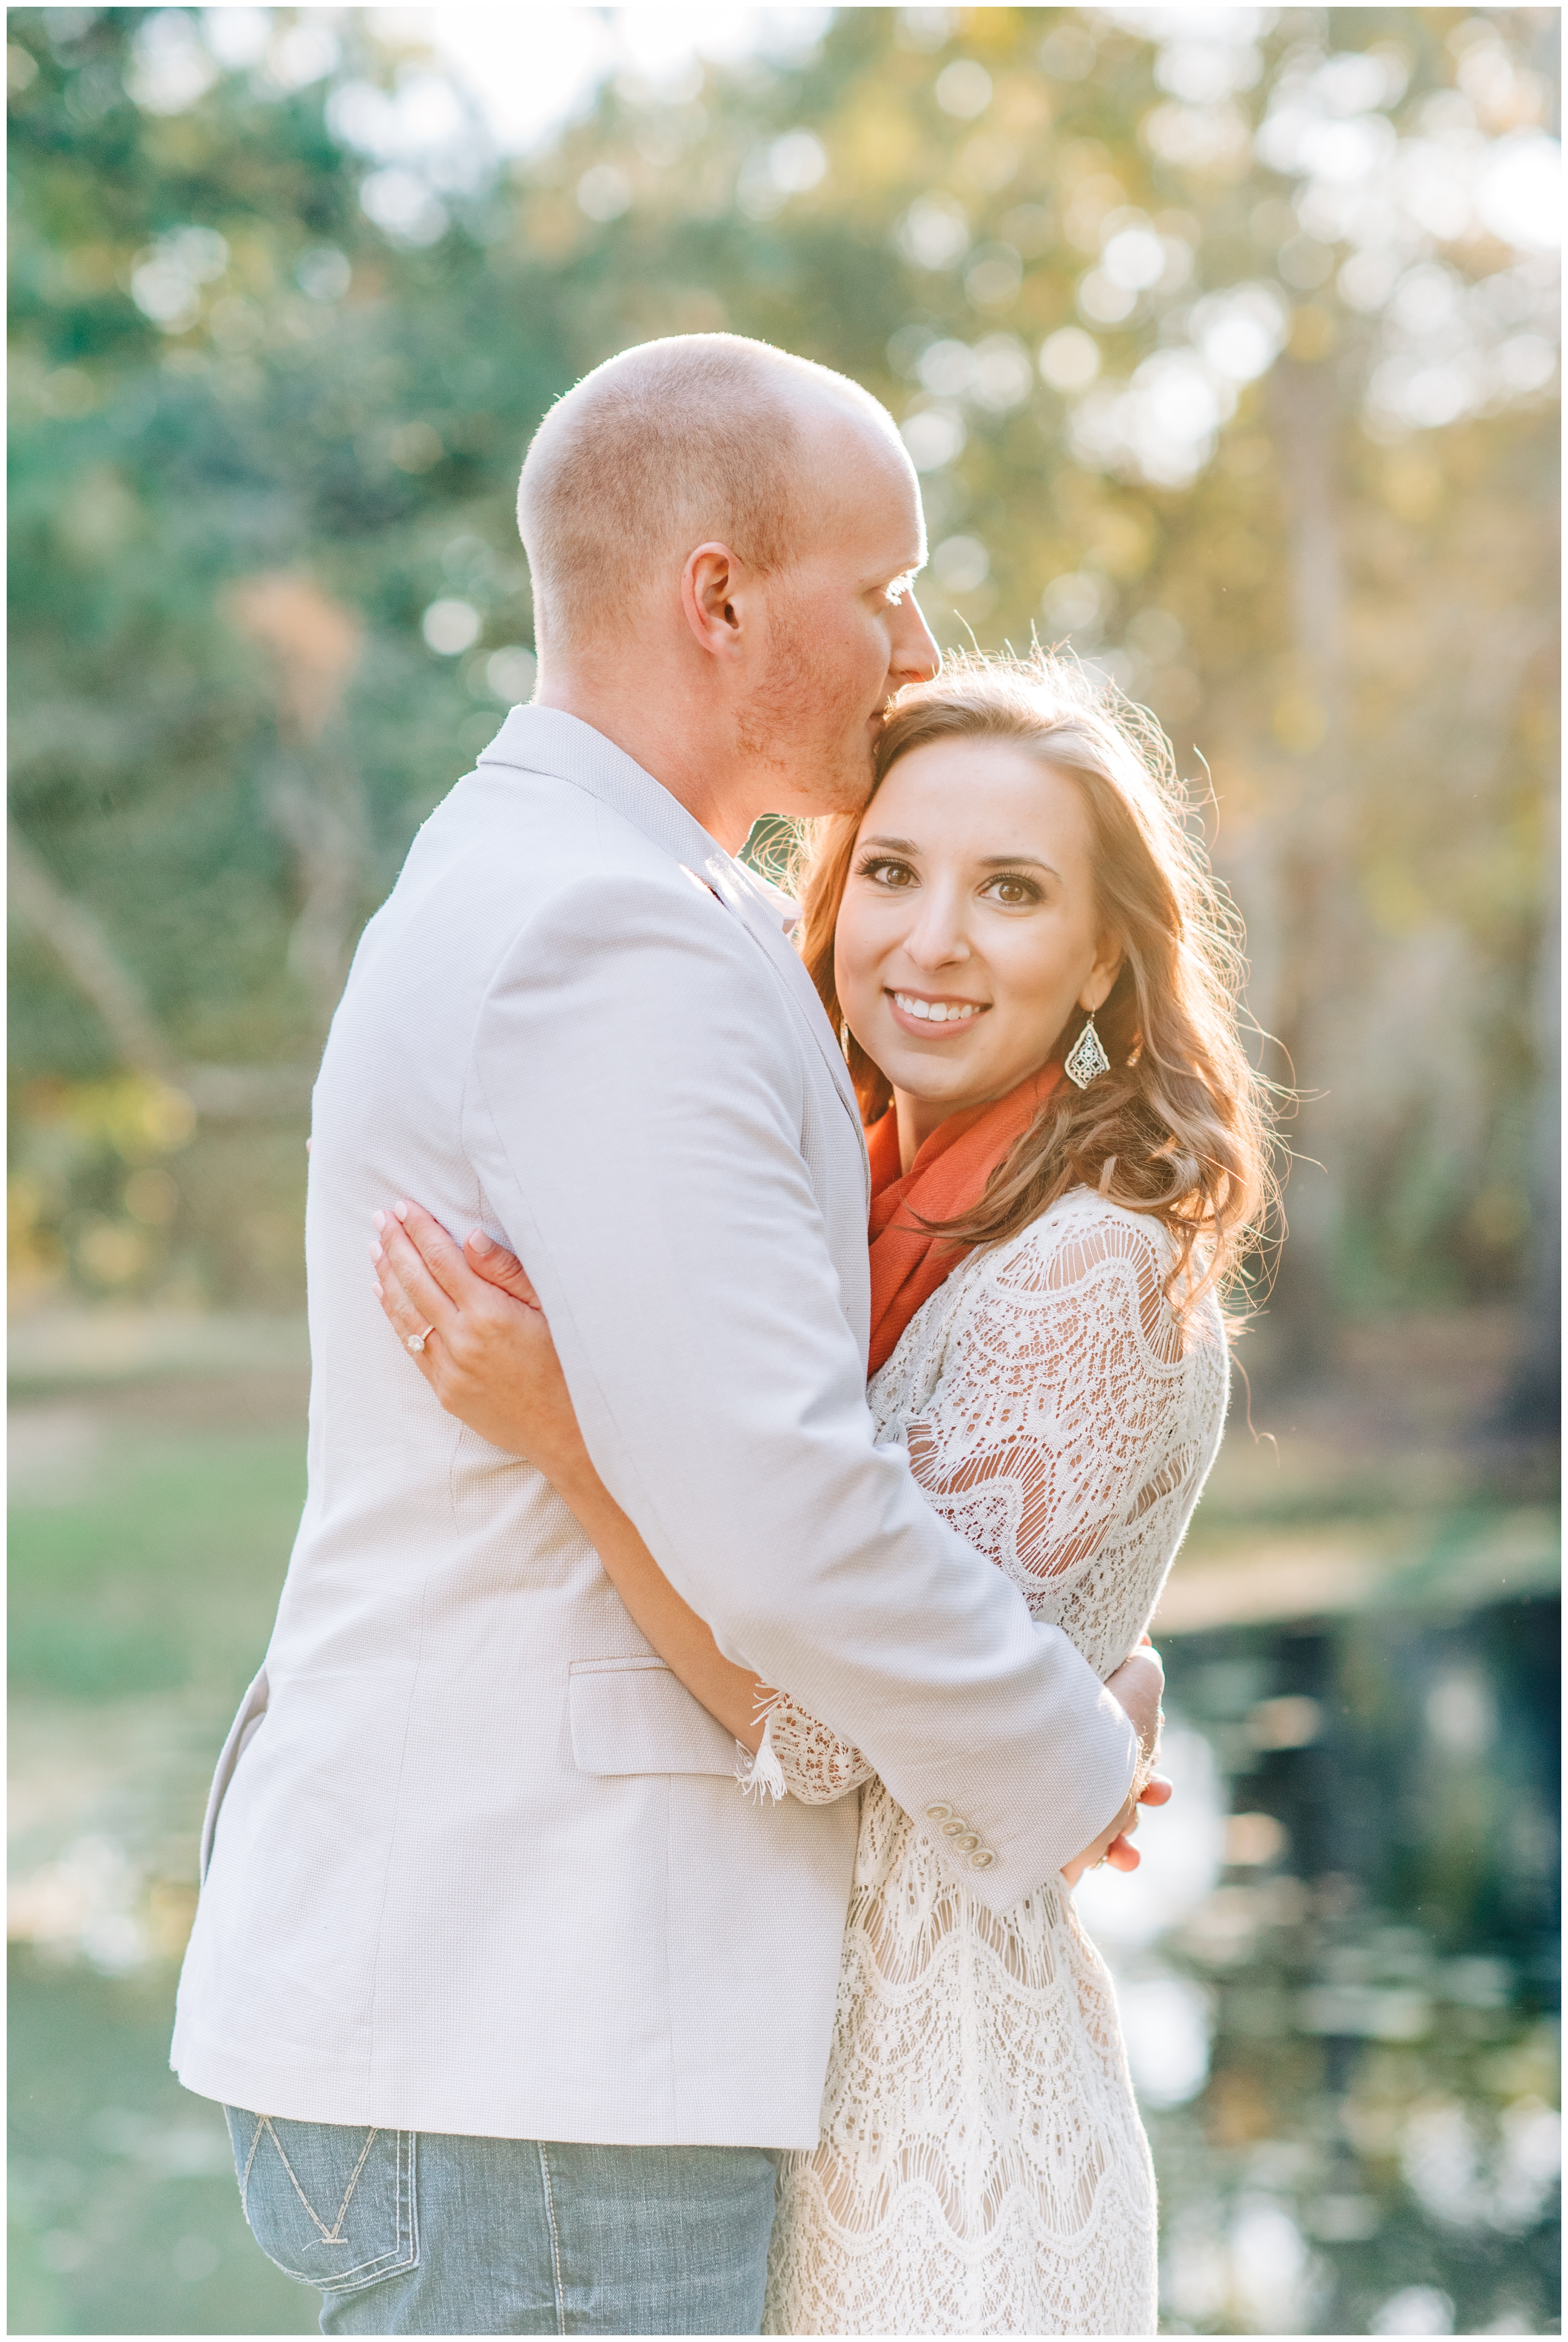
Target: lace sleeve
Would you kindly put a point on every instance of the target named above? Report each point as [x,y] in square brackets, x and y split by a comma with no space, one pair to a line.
[802,1755]
[1050,1424]
[1053,1423]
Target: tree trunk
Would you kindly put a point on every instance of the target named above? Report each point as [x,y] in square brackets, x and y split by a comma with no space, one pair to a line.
[1534,1404]
[1321,946]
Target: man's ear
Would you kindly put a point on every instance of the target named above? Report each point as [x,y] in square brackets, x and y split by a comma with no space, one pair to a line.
[710,583]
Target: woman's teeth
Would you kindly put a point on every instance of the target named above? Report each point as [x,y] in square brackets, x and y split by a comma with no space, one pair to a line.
[937,1012]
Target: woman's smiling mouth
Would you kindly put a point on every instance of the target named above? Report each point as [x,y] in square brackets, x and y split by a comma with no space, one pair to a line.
[918,1010]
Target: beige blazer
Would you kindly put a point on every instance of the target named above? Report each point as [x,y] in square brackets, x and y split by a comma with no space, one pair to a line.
[475,1860]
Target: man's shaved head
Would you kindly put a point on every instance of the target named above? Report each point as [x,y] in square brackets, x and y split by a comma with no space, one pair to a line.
[703,437]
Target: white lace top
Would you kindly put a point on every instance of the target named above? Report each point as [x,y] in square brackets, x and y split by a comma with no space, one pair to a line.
[982,2167]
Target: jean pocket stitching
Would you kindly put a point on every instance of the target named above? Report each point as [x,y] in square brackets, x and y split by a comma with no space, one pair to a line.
[402,2253]
[555,2236]
[407,2178]
[250,2158]
[332,2236]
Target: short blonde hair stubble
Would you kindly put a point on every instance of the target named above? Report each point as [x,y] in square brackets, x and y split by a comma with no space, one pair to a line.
[664,447]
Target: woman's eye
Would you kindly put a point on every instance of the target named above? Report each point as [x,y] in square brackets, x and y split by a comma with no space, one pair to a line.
[1012,891]
[888,873]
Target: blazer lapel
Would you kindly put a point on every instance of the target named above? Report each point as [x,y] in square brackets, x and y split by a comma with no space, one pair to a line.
[760,910]
[547,740]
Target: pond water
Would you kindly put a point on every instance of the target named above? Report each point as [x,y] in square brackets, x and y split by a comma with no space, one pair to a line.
[1338,1973]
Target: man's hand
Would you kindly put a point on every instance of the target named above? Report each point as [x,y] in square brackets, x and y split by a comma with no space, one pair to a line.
[1112,1846]
[1136,1686]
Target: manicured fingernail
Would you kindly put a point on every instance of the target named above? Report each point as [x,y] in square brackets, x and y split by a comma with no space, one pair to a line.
[378,1220]
[375,1281]
[480,1243]
[376,1253]
[401,1210]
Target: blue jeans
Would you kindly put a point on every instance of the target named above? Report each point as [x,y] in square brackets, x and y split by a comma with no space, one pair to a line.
[424,2232]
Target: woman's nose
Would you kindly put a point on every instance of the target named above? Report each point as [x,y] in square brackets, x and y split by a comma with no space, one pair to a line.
[937,937]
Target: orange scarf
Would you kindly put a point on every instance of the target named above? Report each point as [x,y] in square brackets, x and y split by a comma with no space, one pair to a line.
[947,1177]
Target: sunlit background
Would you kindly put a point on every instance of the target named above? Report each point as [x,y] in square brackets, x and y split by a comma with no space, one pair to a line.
[1224,342]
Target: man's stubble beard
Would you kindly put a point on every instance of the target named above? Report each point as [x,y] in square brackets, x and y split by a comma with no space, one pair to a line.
[806,727]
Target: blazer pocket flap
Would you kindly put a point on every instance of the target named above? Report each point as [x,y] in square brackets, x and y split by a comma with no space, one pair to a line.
[632,1715]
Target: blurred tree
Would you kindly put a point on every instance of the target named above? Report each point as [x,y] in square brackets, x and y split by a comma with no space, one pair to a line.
[1223,344]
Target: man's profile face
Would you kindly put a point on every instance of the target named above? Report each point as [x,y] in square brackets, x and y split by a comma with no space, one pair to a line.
[845,631]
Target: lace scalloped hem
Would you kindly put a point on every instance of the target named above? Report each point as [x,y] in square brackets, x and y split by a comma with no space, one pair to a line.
[912,2275]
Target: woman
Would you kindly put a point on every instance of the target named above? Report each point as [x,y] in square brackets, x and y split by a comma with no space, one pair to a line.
[1026,960]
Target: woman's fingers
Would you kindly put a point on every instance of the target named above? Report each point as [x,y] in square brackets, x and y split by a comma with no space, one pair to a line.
[460,1271]
[402,1318]
[397,1259]
[402,1312]
[442,1257]
[498,1266]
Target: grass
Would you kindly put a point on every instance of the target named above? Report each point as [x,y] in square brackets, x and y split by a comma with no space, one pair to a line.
[125,2217]
[161,1568]
[147,1548]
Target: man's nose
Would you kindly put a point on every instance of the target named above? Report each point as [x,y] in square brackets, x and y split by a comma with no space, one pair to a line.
[916,658]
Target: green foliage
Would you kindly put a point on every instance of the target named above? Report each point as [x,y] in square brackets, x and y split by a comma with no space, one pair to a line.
[1332,581]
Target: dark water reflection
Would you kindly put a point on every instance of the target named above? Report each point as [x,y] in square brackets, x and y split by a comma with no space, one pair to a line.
[1364,1958]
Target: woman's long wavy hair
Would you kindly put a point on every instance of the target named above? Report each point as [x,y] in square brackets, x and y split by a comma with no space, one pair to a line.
[1179,1128]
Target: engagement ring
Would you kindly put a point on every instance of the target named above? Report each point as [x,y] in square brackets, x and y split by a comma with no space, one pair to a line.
[417,1341]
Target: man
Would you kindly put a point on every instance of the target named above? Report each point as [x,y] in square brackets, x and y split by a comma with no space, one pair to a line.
[511,1997]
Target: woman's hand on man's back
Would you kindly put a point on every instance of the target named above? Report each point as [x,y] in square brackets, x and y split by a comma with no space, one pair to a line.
[485,1347]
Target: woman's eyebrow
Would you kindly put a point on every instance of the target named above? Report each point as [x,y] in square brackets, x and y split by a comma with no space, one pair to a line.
[893,844]
[1017,862]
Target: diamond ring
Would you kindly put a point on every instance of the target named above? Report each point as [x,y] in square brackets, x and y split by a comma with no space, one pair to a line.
[417,1341]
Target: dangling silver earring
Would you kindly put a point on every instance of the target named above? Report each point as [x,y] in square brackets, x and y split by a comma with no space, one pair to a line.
[844,1039]
[1087,1059]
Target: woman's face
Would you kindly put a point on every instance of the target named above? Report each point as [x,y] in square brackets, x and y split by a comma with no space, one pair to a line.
[968,932]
